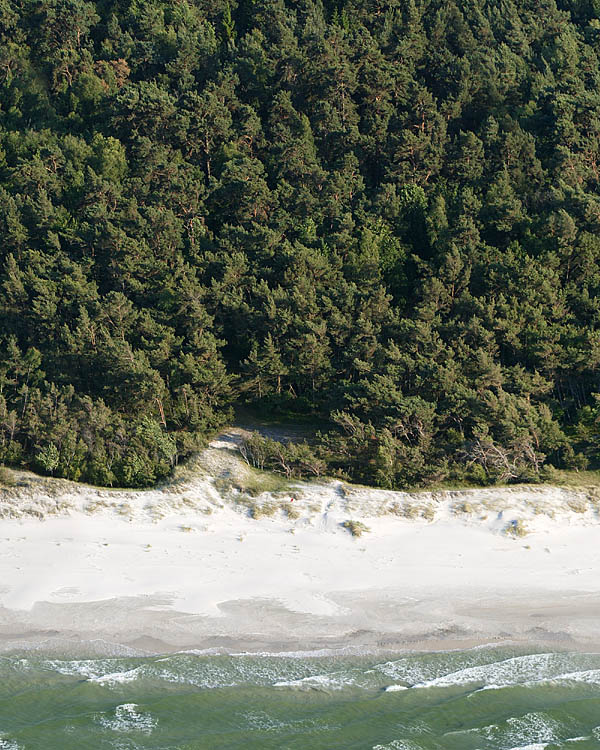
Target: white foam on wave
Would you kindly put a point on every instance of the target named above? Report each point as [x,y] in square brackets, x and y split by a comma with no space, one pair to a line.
[228,671]
[127,718]
[173,668]
[410,669]
[319,682]
[524,670]
[115,678]
[314,653]
[262,721]
[517,670]
[414,669]
[398,745]
[590,676]
[8,744]
[105,672]
[532,731]
[90,669]
[213,651]
[224,671]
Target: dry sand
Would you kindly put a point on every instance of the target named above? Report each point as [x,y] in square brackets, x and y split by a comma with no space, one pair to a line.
[187,566]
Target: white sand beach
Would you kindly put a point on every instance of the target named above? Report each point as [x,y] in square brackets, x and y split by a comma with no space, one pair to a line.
[186,566]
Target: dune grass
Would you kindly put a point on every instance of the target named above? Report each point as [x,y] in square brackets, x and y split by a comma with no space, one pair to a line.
[356,528]
[7,478]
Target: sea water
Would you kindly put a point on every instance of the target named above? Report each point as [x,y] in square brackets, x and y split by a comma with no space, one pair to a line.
[488,698]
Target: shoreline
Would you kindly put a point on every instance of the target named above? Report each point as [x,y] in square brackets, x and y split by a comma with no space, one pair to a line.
[203,564]
[149,637]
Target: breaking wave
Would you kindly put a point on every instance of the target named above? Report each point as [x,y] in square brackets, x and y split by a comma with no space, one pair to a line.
[127,718]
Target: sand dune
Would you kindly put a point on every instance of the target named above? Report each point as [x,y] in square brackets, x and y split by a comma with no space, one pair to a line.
[210,561]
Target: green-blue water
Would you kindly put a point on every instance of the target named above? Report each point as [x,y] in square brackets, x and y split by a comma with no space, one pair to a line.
[491,699]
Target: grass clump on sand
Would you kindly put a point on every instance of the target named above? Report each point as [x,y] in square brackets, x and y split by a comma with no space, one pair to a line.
[577,505]
[6,477]
[255,483]
[411,511]
[356,528]
[269,509]
[428,513]
[517,529]
[292,513]
[465,508]
[251,483]
[266,510]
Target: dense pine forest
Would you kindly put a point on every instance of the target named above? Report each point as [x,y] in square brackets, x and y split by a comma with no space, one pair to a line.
[382,216]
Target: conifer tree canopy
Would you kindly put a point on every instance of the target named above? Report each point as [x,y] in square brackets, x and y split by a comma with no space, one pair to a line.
[380,216]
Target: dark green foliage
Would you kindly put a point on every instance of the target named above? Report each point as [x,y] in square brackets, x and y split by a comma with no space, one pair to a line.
[381,214]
